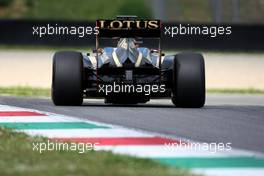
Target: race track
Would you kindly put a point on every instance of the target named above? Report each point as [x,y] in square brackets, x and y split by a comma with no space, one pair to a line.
[238,119]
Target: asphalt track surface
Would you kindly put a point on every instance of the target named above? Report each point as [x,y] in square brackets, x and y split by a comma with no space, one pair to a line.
[236,119]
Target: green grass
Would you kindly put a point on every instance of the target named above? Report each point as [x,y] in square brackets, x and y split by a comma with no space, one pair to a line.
[180,10]
[25,91]
[46,48]
[45,92]
[19,159]
[74,10]
[236,91]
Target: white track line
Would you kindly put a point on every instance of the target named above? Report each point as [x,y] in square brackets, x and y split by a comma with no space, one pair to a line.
[24,119]
[230,171]
[70,133]
[154,151]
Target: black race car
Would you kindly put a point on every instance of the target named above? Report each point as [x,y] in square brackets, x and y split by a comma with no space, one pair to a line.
[127,71]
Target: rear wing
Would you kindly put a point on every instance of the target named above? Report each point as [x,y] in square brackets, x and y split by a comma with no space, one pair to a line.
[128,28]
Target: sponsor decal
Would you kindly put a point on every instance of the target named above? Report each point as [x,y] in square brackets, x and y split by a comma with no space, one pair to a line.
[128,24]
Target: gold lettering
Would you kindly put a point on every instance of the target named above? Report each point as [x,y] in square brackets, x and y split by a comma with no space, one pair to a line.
[119,23]
[139,26]
[128,23]
[102,24]
[116,24]
[153,24]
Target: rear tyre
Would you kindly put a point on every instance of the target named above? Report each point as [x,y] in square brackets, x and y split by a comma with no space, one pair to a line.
[67,78]
[188,80]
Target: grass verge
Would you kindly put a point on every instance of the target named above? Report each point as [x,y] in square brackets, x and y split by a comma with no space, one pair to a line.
[45,92]
[236,91]
[18,158]
[25,91]
[46,48]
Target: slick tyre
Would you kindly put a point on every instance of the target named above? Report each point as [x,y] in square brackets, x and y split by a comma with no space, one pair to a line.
[67,78]
[188,80]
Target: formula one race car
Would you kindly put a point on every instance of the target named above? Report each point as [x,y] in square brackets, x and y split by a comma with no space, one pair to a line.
[124,72]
